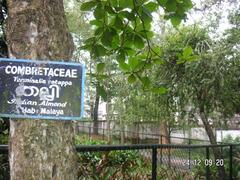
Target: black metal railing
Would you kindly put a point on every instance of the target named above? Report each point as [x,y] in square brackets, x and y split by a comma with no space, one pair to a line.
[167,161]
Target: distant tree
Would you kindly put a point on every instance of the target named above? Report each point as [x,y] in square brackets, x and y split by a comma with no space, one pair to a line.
[203,87]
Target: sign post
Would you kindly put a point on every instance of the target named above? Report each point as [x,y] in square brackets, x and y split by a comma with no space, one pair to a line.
[41,90]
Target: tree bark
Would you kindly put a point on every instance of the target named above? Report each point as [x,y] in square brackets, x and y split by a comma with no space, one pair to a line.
[95,112]
[212,138]
[164,137]
[40,149]
[122,130]
[108,122]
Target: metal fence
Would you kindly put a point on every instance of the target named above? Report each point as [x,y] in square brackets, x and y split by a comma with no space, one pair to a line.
[131,137]
[154,161]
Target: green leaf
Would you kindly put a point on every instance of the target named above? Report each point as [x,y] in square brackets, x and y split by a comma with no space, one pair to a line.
[126,3]
[110,10]
[115,41]
[147,33]
[187,51]
[148,65]
[129,38]
[114,3]
[131,78]
[138,42]
[96,22]
[181,61]
[187,4]
[99,31]
[124,66]
[130,51]
[146,17]
[118,23]
[150,34]
[121,56]
[87,6]
[133,62]
[192,58]
[145,81]
[128,15]
[160,90]
[99,12]
[107,37]
[102,77]
[158,61]
[86,47]
[152,6]
[100,67]
[98,50]
[157,50]
[171,6]
[176,20]
[162,2]
[90,40]
[179,1]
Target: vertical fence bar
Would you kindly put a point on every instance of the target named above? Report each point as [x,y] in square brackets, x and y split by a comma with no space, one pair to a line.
[161,153]
[154,163]
[189,154]
[169,156]
[230,161]
[208,175]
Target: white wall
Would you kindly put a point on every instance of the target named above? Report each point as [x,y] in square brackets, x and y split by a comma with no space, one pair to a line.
[221,134]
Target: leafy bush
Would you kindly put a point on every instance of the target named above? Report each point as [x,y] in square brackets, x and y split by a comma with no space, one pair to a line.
[170,173]
[235,154]
[201,170]
[110,165]
[4,165]
[4,130]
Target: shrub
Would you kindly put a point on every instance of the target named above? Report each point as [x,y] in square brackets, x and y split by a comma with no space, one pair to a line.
[201,170]
[4,165]
[235,154]
[110,165]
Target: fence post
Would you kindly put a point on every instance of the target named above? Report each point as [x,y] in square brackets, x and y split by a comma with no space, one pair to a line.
[169,156]
[208,175]
[154,163]
[189,154]
[230,161]
[161,153]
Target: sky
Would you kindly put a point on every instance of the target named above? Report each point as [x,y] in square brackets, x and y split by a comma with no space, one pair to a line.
[204,17]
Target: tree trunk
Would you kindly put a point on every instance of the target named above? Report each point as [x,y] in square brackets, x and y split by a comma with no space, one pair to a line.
[95,112]
[108,122]
[40,149]
[122,130]
[212,138]
[164,137]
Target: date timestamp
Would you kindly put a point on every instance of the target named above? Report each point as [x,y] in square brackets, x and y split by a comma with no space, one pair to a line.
[205,162]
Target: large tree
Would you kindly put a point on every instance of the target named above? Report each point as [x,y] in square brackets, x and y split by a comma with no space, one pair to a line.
[40,149]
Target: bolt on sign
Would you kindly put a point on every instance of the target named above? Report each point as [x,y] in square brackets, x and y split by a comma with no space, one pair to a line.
[40,89]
